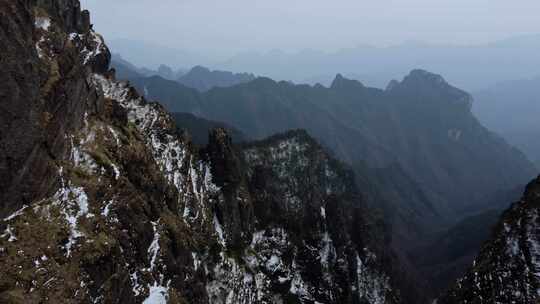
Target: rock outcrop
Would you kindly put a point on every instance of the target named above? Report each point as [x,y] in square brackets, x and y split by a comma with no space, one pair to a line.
[507,270]
[104,201]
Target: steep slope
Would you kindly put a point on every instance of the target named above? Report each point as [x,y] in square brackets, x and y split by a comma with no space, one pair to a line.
[44,92]
[507,270]
[512,99]
[416,146]
[128,210]
[203,79]
[423,124]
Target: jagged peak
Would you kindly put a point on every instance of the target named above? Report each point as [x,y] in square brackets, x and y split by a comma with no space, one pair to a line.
[424,77]
[432,86]
[392,84]
[342,82]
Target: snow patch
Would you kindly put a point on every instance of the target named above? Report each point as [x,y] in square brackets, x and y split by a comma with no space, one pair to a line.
[157,295]
[9,234]
[107,209]
[16,213]
[153,249]
[73,203]
[219,231]
[43,23]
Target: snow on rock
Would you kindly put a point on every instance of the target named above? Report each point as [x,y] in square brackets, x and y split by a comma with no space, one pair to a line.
[16,214]
[157,295]
[107,209]
[507,269]
[153,249]
[170,153]
[371,285]
[9,234]
[43,22]
[73,203]
[272,260]
[92,45]
[219,231]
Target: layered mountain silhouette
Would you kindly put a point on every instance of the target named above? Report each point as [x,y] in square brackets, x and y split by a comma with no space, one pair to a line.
[106,197]
[104,200]
[203,79]
[422,124]
[198,77]
[126,70]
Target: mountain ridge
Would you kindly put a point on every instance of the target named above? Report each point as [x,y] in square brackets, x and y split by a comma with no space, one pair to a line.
[134,212]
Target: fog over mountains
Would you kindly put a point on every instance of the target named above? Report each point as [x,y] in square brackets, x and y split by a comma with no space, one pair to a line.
[518,102]
[369,175]
[471,67]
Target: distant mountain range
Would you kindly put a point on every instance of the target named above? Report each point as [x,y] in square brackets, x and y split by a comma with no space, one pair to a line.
[203,79]
[472,67]
[512,109]
[107,197]
[199,77]
[469,67]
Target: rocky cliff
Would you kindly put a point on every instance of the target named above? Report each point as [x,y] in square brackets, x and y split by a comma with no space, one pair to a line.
[416,146]
[507,270]
[104,201]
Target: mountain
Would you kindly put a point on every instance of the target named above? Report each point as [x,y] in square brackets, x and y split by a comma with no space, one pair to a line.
[203,79]
[199,128]
[415,147]
[126,70]
[422,123]
[152,55]
[199,78]
[513,99]
[507,269]
[468,66]
[104,201]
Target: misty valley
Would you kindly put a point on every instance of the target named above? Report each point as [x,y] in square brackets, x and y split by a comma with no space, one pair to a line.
[136,172]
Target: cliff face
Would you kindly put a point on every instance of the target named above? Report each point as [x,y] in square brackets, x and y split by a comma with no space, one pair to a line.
[507,270]
[48,51]
[103,201]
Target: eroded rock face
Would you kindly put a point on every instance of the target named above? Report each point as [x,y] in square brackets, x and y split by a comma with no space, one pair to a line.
[45,92]
[103,201]
[507,269]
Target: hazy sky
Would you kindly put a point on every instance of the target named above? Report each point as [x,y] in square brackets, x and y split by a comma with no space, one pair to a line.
[228,26]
